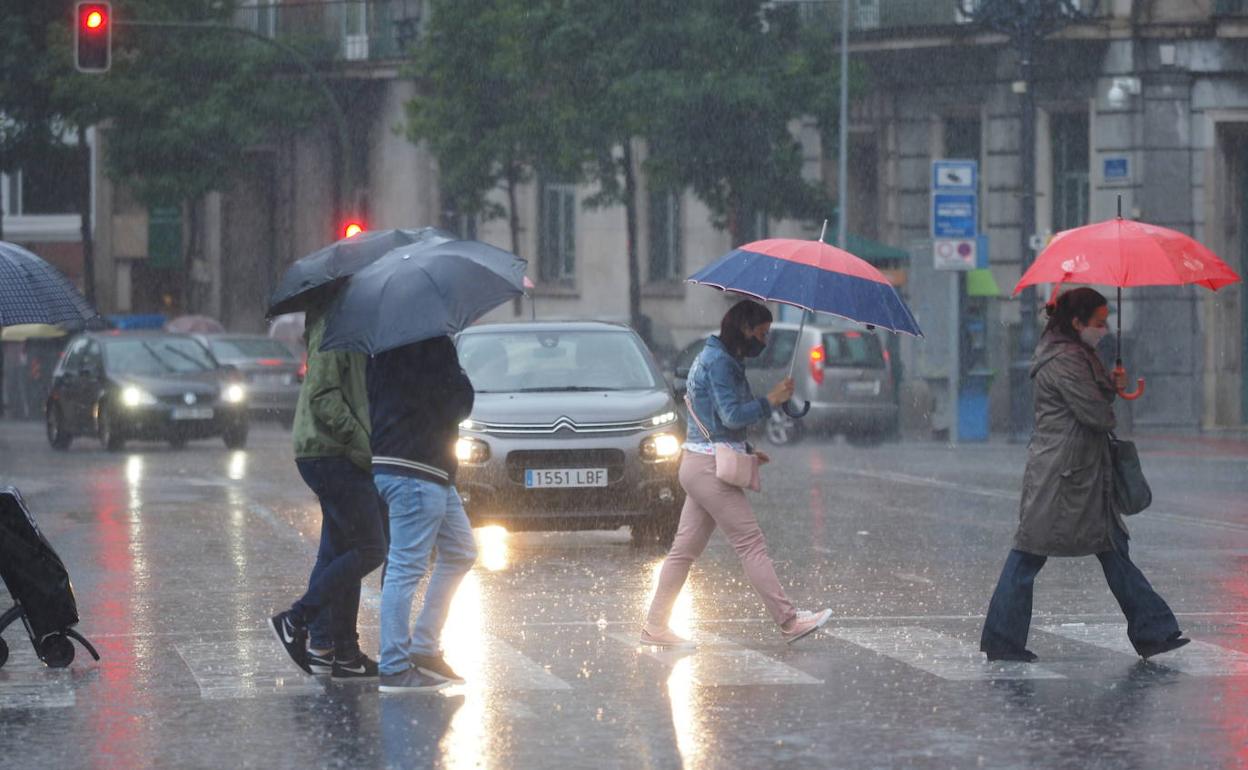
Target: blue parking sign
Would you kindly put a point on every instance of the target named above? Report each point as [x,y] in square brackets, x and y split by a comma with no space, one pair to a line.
[953,215]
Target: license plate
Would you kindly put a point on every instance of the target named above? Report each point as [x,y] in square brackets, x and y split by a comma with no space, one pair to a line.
[192,413]
[545,478]
[863,388]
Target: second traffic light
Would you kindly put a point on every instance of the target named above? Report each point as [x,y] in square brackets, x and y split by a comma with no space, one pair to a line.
[93,36]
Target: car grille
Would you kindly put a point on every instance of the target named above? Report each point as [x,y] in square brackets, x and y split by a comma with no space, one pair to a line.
[520,460]
[201,399]
[563,423]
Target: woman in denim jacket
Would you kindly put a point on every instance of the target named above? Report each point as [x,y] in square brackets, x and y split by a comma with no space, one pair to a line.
[724,405]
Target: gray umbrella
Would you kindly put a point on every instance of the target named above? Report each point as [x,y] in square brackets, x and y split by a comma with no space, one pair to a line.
[34,292]
[317,276]
[421,291]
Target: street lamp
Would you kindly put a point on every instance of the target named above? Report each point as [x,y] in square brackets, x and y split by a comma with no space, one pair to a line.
[1026,23]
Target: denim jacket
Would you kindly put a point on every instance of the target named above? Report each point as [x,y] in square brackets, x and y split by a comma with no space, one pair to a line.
[721,396]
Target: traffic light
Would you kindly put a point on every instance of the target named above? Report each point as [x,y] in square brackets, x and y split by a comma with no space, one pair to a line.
[93,36]
[352,227]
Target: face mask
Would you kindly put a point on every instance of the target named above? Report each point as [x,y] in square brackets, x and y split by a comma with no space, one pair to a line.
[753,347]
[1092,335]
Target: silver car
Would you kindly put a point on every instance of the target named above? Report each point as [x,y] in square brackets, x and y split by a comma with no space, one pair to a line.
[845,374]
[573,427]
[271,370]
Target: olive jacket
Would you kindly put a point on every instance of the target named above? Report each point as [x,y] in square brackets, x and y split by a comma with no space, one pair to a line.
[1065,508]
[331,416]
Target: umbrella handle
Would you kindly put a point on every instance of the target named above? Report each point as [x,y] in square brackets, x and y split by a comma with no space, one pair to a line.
[1139,385]
[787,408]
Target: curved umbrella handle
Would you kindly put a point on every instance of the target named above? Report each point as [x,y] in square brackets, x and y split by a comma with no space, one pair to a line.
[1139,385]
[787,407]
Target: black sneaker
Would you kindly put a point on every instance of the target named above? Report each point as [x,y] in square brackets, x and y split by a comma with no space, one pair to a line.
[293,636]
[321,665]
[409,680]
[436,667]
[355,668]
[1019,656]
[1150,649]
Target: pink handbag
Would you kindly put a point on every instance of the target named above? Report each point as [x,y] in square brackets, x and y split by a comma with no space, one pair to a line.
[739,469]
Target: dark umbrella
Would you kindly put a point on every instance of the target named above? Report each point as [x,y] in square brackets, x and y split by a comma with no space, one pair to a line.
[316,276]
[34,292]
[421,291]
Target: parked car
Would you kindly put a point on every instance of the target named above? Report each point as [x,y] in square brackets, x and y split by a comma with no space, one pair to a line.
[144,385]
[574,427]
[844,373]
[272,371]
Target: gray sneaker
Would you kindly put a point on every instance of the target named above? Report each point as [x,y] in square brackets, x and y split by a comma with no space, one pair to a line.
[409,680]
[436,667]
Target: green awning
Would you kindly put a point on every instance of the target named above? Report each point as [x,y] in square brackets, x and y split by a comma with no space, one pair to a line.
[865,248]
[981,283]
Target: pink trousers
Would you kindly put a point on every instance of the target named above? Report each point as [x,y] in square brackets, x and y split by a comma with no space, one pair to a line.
[710,502]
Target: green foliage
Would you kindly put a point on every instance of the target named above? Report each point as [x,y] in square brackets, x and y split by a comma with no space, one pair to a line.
[26,112]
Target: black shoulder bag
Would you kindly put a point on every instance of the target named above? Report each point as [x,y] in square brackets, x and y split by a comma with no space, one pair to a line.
[1131,491]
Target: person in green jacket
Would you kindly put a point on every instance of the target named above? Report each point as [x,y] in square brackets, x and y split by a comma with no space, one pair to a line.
[331,435]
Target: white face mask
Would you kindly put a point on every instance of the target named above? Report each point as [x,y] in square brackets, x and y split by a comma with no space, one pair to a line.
[1092,335]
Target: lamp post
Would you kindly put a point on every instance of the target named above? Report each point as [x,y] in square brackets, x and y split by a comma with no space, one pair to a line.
[1025,23]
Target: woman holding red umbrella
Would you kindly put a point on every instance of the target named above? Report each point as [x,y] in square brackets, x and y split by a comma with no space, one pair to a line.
[1066,508]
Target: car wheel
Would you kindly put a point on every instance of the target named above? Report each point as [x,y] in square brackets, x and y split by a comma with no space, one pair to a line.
[58,437]
[110,432]
[782,429]
[659,527]
[235,438]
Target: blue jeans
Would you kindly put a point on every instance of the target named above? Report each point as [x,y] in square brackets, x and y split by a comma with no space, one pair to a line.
[352,545]
[423,515]
[1149,619]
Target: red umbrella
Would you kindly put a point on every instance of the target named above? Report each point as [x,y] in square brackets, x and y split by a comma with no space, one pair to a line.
[1122,252]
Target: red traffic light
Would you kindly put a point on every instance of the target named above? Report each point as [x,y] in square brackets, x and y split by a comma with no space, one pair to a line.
[93,37]
[352,228]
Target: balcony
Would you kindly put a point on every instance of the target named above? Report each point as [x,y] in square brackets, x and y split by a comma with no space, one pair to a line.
[867,16]
[1230,8]
[353,30]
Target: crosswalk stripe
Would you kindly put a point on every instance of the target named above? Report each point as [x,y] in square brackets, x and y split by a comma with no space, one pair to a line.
[25,683]
[1196,659]
[499,666]
[943,656]
[719,662]
[245,668]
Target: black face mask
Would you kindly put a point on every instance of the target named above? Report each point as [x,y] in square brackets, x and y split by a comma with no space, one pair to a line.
[751,348]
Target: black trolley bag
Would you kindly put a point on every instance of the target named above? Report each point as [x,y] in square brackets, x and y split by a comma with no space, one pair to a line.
[39,584]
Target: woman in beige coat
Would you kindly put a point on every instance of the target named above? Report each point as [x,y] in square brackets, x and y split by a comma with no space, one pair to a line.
[1066,508]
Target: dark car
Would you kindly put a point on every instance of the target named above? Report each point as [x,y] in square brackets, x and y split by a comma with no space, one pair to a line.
[573,428]
[120,386]
[272,371]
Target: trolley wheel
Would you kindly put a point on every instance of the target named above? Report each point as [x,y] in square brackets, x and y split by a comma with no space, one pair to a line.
[57,651]
[4,653]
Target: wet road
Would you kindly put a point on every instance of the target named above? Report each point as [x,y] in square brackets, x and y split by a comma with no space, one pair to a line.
[179,557]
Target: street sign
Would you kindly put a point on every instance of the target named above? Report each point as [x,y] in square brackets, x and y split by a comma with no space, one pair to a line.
[955,199]
[955,254]
[955,176]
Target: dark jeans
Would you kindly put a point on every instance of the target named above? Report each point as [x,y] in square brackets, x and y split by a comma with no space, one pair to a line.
[353,544]
[1149,619]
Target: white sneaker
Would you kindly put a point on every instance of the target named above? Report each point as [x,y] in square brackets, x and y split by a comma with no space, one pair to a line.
[806,623]
[666,638]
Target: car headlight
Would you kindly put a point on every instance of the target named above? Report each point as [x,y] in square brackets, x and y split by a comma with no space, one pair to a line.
[660,447]
[665,418]
[135,396]
[471,425]
[472,451]
[233,393]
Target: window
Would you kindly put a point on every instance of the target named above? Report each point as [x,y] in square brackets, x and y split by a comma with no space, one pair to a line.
[1069,141]
[664,222]
[52,181]
[962,138]
[512,362]
[556,232]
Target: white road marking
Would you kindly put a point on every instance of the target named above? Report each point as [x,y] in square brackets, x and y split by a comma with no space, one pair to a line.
[502,667]
[26,683]
[937,654]
[1196,659]
[717,662]
[245,668]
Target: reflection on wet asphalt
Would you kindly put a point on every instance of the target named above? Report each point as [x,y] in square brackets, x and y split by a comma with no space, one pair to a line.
[179,557]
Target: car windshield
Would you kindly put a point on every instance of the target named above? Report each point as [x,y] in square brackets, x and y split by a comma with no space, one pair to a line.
[547,360]
[238,349]
[157,355]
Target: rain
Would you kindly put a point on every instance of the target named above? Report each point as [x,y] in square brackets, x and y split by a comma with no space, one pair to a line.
[730,383]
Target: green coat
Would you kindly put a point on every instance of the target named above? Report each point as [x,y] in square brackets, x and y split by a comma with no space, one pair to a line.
[1065,509]
[331,418]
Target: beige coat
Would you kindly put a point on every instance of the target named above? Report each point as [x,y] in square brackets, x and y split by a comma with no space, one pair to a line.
[1065,509]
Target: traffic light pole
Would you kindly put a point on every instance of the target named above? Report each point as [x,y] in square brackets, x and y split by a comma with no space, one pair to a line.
[346,193]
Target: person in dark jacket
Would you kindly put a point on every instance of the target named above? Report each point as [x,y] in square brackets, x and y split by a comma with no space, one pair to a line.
[1066,507]
[331,435]
[417,396]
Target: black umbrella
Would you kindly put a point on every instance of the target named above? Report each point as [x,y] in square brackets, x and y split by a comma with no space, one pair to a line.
[421,291]
[316,276]
[34,292]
